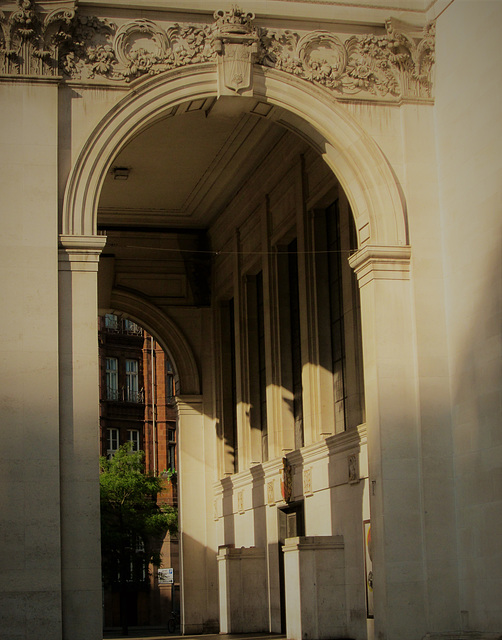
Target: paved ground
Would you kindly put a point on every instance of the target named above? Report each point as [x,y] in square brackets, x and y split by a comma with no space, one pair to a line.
[158,634]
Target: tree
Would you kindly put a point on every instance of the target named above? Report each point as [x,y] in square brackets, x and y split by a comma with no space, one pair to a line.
[132,523]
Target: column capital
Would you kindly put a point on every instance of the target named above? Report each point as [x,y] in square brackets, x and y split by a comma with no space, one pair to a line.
[80,253]
[373,262]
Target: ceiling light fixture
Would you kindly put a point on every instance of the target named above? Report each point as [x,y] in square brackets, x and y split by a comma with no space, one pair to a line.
[121,173]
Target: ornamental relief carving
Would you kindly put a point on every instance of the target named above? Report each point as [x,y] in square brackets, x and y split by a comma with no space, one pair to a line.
[29,41]
[394,65]
[142,47]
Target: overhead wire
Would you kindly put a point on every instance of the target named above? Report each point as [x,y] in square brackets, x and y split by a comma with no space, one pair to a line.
[230,252]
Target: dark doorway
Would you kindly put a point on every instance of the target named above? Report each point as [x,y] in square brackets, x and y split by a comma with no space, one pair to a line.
[291,523]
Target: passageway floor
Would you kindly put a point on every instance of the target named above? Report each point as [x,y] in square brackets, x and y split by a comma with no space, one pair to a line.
[159,634]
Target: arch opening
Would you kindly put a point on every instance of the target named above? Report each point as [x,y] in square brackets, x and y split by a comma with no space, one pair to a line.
[353,156]
[212,189]
[174,267]
[138,449]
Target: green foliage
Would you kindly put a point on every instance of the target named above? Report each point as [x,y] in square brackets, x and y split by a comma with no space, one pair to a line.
[169,474]
[132,524]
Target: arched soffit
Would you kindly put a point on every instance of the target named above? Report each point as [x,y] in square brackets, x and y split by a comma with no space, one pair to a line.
[166,331]
[354,157]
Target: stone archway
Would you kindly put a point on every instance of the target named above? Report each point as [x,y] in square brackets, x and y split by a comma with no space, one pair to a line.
[382,263]
[189,409]
[358,163]
[166,331]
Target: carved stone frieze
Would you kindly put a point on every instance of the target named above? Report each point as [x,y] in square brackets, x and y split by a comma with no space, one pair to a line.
[142,47]
[28,38]
[85,48]
[397,64]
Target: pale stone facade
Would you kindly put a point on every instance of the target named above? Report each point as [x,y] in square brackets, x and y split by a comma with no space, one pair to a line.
[225,178]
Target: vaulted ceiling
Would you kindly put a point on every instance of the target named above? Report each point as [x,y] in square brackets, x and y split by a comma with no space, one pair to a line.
[181,171]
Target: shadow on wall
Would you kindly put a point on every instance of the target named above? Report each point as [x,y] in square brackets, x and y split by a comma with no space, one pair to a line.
[200,612]
[350,518]
[30,528]
[477,408]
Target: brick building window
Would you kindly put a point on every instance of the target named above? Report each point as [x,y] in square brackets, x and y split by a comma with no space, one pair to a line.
[133,436]
[171,449]
[131,327]
[112,383]
[170,384]
[132,391]
[111,321]
[112,442]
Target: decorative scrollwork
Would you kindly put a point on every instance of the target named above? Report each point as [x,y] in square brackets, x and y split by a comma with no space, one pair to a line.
[27,44]
[396,65]
[85,48]
[143,48]
[393,65]
[139,45]
[323,58]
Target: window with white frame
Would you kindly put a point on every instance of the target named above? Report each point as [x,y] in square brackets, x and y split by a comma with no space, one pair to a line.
[112,382]
[133,437]
[112,442]
[132,390]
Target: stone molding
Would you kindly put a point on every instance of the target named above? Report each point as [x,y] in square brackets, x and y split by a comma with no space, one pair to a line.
[226,553]
[393,62]
[189,405]
[381,263]
[313,543]
[80,253]
[343,442]
[262,474]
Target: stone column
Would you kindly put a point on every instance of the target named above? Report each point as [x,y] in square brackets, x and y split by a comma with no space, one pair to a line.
[193,516]
[30,583]
[79,437]
[314,577]
[243,590]
[393,443]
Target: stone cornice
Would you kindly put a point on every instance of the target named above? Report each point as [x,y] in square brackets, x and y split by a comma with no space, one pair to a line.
[392,62]
[347,441]
[316,11]
[189,405]
[80,253]
[82,243]
[313,543]
[381,263]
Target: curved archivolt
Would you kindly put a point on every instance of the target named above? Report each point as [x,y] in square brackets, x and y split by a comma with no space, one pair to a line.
[353,156]
[168,334]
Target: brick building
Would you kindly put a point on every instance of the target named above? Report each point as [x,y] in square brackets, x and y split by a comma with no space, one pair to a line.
[137,389]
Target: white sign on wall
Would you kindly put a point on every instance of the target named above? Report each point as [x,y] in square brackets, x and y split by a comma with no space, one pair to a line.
[166,576]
